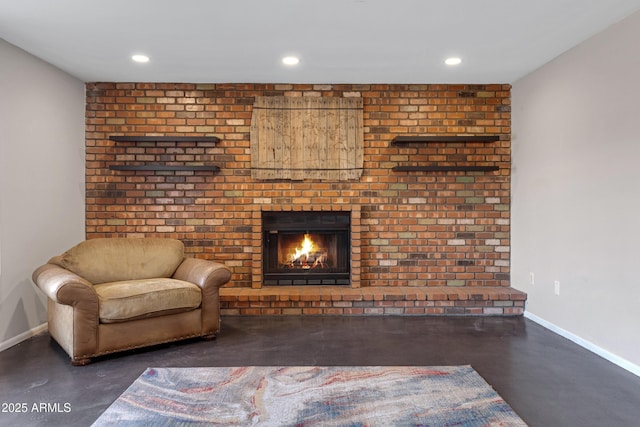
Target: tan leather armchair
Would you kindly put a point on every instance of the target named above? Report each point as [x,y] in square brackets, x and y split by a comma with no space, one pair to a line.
[108,295]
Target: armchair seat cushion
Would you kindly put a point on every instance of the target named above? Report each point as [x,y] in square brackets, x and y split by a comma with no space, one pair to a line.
[138,299]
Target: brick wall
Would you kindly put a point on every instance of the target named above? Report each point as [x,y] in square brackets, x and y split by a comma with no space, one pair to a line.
[415,228]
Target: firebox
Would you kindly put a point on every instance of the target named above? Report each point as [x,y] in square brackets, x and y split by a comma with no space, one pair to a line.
[306,248]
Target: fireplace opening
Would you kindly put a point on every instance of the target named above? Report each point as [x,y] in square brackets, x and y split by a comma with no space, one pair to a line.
[306,248]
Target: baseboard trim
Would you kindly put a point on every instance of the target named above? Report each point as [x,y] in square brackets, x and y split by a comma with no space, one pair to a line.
[615,359]
[23,336]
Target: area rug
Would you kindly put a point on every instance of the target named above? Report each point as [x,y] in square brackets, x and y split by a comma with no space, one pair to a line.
[311,396]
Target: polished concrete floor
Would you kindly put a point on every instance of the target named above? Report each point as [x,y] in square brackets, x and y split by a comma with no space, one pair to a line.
[547,380]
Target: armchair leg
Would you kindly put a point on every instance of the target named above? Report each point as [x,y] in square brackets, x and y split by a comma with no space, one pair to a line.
[210,337]
[80,362]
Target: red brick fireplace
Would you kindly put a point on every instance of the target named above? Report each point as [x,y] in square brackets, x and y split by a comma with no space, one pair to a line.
[429,218]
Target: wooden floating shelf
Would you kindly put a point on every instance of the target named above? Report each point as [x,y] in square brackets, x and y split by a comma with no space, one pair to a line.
[117,138]
[445,168]
[161,167]
[405,139]
[432,139]
[164,168]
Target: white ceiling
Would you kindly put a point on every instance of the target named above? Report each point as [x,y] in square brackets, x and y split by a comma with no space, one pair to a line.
[338,41]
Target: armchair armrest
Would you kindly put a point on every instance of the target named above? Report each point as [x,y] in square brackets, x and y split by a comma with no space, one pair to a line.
[76,330]
[65,287]
[203,273]
[210,276]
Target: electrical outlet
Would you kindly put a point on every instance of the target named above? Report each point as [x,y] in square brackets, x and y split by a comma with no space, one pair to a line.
[532,279]
[556,285]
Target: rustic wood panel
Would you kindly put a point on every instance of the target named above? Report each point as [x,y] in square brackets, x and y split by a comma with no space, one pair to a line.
[302,138]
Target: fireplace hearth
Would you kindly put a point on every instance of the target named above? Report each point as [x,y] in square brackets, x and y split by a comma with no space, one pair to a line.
[306,248]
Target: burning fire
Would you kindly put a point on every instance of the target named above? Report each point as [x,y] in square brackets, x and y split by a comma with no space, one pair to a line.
[305,250]
[308,253]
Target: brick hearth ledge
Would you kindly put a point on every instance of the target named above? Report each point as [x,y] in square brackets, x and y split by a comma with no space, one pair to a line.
[399,301]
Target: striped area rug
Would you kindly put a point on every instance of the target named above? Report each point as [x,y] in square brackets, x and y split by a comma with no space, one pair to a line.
[311,396]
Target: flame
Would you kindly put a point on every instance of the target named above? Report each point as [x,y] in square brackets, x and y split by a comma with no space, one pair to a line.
[306,249]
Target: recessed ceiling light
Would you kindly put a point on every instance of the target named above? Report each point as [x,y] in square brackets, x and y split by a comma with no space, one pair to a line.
[290,60]
[453,61]
[140,58]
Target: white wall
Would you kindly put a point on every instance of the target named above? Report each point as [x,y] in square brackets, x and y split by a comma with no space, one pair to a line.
[576,191]
[41,181]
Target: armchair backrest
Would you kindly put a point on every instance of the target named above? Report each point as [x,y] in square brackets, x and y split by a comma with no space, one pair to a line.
[105,260]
